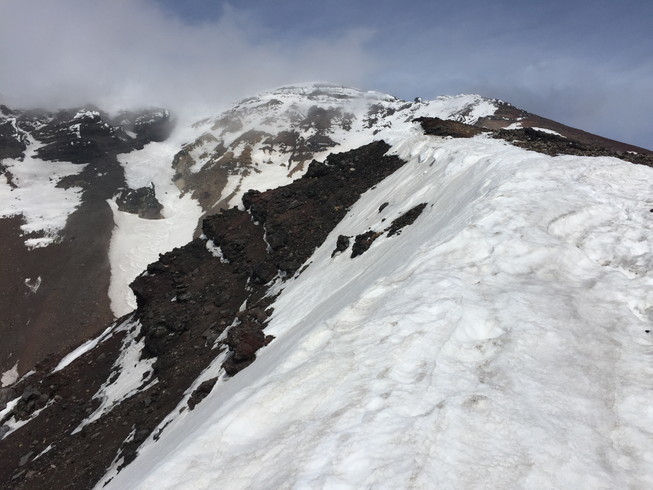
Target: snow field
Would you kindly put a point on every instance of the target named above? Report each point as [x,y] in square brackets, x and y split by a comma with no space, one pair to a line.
[497,342]
[137,242]
[44,207]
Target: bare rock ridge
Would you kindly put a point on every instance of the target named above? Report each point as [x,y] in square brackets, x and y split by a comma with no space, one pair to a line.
[541,140]
[510,117]
[190,309]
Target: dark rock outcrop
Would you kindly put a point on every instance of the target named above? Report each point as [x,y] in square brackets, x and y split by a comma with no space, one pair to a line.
[441,127]
[342,244]
[363,242]
[408,218]
[141,201]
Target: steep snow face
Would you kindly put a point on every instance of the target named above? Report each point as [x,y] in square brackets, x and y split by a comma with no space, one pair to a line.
[267,140]
[501,340]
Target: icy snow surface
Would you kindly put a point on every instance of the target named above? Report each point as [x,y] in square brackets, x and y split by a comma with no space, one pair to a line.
[497,342]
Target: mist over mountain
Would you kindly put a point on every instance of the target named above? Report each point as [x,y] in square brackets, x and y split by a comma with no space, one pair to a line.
[585,67]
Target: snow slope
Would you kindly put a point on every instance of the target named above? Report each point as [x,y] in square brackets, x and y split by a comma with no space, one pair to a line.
[500,341]
[137,242]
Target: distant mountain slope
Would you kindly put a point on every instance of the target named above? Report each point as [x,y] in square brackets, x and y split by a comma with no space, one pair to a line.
[58,170]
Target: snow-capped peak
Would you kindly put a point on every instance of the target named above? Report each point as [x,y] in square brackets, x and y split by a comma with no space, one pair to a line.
[267,140]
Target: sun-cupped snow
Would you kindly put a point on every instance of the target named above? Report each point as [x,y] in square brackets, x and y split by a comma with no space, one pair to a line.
[31,190]
[500,341]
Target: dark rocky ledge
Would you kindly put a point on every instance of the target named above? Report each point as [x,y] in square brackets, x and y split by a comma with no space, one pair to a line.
[141,201]
[444,127]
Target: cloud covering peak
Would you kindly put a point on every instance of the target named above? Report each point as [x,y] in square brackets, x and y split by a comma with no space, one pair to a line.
[588,67]
[131,52]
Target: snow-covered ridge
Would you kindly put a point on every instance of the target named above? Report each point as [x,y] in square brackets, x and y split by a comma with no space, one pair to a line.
[500,341]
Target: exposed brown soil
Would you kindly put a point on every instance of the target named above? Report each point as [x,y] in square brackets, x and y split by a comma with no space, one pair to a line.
[60,314]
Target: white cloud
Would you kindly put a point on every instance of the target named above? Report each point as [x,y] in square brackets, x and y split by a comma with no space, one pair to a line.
[129,52]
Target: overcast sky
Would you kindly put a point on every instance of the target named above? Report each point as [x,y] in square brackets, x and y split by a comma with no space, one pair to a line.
[586,64]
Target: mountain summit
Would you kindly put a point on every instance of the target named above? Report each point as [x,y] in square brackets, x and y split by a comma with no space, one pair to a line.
[365,292]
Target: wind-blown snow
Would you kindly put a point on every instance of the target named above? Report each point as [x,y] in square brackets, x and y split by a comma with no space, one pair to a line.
[44,207]
[500,341]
